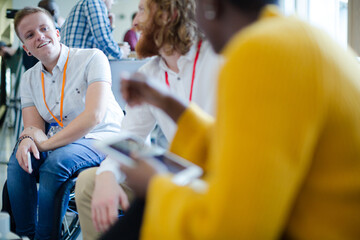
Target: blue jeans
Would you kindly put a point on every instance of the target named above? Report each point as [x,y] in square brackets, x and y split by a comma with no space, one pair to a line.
[53,169]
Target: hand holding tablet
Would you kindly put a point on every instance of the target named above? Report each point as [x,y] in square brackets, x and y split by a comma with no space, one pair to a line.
[121,148]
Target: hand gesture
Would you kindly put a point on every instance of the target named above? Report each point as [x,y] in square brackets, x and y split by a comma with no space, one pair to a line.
[137,89]
[125,47]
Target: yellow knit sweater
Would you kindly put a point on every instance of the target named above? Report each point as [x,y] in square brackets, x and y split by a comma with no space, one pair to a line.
[283,156]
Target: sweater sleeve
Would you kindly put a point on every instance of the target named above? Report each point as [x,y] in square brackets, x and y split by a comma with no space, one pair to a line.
[192,138]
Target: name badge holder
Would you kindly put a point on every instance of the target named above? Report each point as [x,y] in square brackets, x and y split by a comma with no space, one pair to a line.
[54,128]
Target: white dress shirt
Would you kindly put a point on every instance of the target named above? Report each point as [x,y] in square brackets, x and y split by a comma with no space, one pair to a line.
[142,119]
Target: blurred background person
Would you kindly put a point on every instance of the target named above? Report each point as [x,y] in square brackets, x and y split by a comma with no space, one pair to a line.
[132,35]
[282,157]
[27,61]
[6,51]
[88,26]
[52,7]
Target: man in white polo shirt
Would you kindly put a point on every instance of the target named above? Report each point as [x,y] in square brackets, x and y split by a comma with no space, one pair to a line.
[68,87]
[184,63]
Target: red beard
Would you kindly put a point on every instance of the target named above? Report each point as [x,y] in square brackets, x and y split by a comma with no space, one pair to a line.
[146,46]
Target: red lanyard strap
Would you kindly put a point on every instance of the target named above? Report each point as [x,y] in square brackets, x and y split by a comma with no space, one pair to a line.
[167,79]
[193,73]
[62,94]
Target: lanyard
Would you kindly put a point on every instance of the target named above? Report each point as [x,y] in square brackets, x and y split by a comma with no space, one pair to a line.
[62,94]
[193,74]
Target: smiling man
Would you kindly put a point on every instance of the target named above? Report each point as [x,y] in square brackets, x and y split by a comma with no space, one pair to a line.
[67,87]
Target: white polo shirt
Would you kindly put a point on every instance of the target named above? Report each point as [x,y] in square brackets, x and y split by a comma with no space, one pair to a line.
[85,66]
[142,119]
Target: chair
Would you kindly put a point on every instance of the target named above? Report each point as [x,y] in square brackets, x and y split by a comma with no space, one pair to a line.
[66,228]
[69,226]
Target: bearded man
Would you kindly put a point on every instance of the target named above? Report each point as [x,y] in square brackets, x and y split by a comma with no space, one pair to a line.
[184,63]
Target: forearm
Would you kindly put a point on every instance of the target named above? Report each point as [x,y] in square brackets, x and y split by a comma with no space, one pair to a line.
[173,107]
[34,125]
[95,109]
[78,128]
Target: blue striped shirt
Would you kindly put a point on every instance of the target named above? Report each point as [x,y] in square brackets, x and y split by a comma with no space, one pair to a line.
[88,26]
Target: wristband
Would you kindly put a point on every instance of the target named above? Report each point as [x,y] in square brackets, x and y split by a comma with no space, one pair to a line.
[22,138]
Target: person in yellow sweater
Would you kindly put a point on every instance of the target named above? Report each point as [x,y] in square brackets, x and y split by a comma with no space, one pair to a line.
[282,157]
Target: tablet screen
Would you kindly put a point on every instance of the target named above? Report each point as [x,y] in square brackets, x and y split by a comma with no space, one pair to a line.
[130,145]
[127,146]
[170,164]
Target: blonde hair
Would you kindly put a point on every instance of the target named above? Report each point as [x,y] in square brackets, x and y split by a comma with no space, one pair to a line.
[26,12]
[179,30]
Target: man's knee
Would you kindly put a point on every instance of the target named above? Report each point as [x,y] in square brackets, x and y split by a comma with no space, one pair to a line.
[85,184]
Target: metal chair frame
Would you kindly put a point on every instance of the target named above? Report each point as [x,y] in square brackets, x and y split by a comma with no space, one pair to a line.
[65,228]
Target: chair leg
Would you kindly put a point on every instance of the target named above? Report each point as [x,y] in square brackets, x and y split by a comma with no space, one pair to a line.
[64,194]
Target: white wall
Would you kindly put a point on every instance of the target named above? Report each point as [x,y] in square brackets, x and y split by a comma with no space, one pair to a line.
[64,5]
[123,10]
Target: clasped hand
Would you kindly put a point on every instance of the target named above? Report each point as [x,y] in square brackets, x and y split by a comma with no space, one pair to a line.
[137,90]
